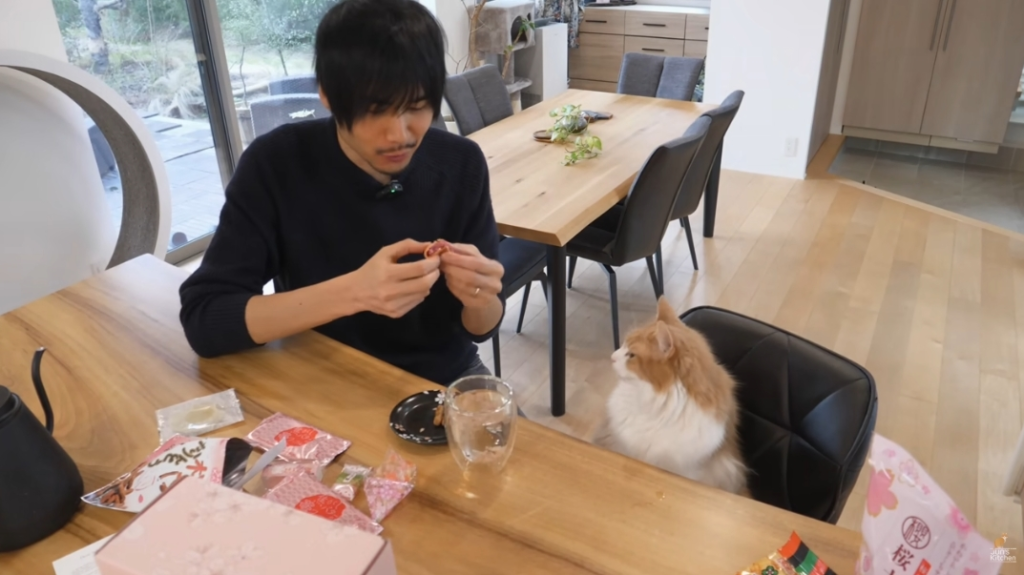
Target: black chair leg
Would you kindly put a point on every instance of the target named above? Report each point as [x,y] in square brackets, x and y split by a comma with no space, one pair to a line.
[661,270]
[653,272]
[543,279]
[689,238]
[497,355]
[572,270]
[522,308]
[613,290]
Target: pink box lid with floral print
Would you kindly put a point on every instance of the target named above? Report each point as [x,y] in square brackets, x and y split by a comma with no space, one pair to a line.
[202,527]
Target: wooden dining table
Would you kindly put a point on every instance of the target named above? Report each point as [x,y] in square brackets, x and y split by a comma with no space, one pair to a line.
[116,353]
[536,198]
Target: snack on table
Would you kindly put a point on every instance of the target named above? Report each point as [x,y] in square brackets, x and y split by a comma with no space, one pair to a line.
[280,470]
[210,459]
[793,558]
[437,248]
[200,415]
[912,526]
[304,441]
[389,484]
[350,480]
[304,493]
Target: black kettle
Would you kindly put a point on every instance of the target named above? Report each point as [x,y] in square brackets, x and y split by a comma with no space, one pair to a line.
[40,487]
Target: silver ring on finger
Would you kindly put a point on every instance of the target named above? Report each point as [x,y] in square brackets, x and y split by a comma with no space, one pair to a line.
[476,292]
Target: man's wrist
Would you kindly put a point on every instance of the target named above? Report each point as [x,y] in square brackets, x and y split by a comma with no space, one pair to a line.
[343,297]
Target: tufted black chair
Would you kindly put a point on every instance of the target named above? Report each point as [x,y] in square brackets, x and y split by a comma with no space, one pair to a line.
[807,414]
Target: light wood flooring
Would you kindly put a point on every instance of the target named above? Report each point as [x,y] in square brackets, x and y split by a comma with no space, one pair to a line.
[932,303]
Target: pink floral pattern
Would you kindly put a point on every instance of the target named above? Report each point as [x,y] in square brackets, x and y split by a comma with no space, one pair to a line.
[880,493]
[865,563]
[962,525]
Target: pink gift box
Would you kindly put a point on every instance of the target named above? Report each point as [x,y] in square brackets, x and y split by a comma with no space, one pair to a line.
[201,527]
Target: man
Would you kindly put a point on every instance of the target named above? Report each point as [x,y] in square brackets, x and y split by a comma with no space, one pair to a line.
[338,213]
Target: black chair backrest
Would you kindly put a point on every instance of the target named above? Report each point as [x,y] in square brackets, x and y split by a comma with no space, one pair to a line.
[669,77]
[478,98]
[807,415]
[650,200]
[697,177]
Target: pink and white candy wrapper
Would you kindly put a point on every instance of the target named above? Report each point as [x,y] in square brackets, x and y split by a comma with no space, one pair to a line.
[304,441]
[388,485]
[911,526]
[305,493]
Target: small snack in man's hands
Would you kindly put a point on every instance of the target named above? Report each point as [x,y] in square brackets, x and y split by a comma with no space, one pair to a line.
[389,484]
[437,248]
[304,441]
[304,493]
[351,479]
[280,470]
[200,415]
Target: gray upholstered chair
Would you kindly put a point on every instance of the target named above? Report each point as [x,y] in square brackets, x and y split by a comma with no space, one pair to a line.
[654,76]
[272,111]
[478,98]
[524,263]
[697,177]
[301,84]
[634,230]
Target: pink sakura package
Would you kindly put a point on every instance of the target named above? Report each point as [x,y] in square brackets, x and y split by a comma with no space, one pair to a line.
[389,484]
[912,527]
[305,493]
[303,441]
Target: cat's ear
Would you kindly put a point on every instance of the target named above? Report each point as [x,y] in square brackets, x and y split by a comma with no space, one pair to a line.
[663,335]
[666,313]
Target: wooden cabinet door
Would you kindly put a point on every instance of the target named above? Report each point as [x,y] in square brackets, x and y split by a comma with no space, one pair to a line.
[897,41]
[978,70]
[599,57]
[656,46]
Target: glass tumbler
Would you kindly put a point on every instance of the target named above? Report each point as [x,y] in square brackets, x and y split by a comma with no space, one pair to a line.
[480,422]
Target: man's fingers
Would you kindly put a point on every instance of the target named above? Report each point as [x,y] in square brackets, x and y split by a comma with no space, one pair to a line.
[476,263]
[415,269]
[404,248]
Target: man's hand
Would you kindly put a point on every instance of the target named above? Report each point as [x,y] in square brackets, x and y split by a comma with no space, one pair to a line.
[385,287]
[472,278]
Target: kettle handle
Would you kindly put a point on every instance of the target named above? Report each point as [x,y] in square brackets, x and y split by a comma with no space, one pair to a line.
[37,380]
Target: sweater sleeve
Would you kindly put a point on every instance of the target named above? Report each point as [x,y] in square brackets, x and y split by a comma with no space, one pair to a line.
[480,229]
[241,259]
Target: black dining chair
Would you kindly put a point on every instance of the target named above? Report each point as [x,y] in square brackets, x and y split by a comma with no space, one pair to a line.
[656,76]
[524,263]
[478,98]
[697,177]
[634,229]
[807,415]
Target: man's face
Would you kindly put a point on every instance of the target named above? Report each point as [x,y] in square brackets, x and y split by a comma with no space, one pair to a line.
[386,140]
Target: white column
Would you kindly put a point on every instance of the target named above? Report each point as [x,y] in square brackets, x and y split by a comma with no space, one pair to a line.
[55,226]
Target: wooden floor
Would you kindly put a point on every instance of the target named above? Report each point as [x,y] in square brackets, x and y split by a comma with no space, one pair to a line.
[932,306]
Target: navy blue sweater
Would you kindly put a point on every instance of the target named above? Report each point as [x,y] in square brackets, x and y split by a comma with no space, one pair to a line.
[299,212]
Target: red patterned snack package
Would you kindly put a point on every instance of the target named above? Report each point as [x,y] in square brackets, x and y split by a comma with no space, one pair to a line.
[279,470]
[389,484]
[304,441]
[305,493]
[793,558]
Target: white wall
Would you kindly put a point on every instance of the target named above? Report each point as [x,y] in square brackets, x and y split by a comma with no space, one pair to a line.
[455,22]
[772,51]
[55,226]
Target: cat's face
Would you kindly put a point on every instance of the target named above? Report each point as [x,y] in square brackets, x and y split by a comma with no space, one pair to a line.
[656,353]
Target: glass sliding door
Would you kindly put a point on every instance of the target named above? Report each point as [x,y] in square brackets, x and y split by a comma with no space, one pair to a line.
[146,50]
[269,50]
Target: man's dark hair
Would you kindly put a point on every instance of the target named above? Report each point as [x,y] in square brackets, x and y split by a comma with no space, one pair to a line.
[377,55]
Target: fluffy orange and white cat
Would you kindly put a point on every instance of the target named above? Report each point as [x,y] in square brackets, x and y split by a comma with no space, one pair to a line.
[674,406]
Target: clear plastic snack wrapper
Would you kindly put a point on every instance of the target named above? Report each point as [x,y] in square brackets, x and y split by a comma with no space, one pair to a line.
[351,479]
[200,415]
[304,441]
[912,526]
[218,460]
[304,493]
[280,470]
[389,484]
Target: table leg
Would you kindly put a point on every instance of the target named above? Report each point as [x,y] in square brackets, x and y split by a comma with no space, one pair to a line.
[556,323]
[711,195]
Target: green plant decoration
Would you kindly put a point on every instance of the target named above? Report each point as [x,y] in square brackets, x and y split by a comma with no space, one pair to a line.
[572,126]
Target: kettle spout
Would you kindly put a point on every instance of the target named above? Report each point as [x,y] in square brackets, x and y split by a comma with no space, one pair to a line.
[37,380]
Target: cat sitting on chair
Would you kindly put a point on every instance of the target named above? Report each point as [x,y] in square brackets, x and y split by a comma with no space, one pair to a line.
[674,406]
